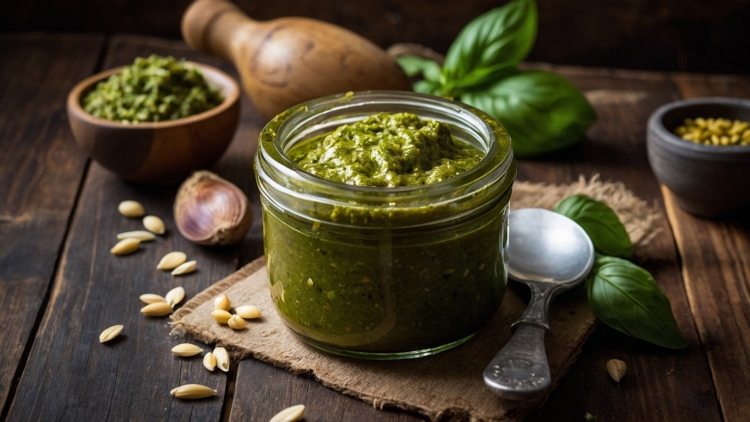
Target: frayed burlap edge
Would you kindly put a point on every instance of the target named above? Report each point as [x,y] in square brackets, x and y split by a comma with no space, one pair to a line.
[639,219]
[516,411]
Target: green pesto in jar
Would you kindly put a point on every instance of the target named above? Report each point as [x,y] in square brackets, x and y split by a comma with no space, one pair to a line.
[382,292]
[387,150]
[152,89]
[394,279]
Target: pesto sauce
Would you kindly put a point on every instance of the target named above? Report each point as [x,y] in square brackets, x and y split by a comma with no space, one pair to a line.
[152,89]
[387,150]
[385,279]
[390,292]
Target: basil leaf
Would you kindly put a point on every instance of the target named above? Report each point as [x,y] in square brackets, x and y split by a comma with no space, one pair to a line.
[601,224]
[413,66]
[477,77]
[427,87]
[542,111]
[627,298]
[495,41]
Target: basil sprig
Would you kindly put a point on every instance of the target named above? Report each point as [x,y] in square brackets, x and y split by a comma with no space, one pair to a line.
[627,298]
[601,224]
[541,110]
[621,294]
[490,46]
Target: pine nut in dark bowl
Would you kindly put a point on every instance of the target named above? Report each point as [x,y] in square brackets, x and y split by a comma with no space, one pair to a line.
[708,180]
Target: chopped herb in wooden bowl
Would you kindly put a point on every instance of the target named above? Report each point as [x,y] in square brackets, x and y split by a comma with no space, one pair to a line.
[152,89]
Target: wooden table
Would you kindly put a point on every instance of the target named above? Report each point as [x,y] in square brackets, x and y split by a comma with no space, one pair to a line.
[60,287]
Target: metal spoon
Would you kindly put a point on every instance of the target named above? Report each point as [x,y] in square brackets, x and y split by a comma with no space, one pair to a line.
[551,254]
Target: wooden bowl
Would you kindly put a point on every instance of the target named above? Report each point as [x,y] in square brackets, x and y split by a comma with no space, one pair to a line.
[706,180]
[161,152]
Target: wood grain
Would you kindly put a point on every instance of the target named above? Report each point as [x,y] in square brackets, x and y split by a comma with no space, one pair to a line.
[616,150]
[716,269]
[267,390]
[69,374]
[41,171]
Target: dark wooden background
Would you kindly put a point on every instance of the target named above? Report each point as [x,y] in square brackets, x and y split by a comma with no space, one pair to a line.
[687,35]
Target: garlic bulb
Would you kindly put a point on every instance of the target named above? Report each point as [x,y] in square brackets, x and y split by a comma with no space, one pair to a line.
[209,210]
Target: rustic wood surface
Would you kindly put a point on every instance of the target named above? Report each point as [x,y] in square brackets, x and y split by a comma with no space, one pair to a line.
[61,287]
[616,150]
[40,175]
[716,272]
[69,375]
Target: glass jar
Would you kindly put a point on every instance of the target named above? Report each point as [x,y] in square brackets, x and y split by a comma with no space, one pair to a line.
[385,272]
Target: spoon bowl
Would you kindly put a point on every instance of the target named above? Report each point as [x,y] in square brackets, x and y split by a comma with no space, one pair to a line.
[548,247]
[551,254]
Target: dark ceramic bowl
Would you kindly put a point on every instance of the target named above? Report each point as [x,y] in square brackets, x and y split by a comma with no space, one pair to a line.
[706,180]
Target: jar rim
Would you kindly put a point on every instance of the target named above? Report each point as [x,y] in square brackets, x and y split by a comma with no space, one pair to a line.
[499,153]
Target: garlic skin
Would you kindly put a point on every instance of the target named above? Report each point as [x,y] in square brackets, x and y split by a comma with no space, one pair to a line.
[209,210]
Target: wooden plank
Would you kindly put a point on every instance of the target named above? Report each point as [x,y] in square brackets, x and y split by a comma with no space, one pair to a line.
[661,384]
[41,171]
[716,269]
[266,390]
[70,375]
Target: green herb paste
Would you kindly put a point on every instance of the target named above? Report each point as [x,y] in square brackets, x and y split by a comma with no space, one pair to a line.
[386,292]
[355,278]
[390,150]
[154,89]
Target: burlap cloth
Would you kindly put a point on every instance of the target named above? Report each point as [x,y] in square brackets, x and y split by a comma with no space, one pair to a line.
[448,385]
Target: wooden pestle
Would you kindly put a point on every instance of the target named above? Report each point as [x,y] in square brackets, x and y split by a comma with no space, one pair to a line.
[286,61]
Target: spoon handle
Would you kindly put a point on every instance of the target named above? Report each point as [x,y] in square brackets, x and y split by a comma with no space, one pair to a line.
[520,370]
